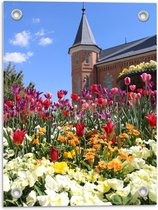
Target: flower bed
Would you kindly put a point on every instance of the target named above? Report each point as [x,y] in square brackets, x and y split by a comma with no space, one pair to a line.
[134,72]
[100,150]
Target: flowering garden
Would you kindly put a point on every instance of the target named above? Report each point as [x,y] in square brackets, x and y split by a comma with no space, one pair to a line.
[99,149]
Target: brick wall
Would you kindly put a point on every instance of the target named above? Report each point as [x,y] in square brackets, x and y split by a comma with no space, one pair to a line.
[81,70]
[110,71]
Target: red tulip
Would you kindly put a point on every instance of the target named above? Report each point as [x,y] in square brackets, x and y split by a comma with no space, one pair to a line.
[94,87]
[18,136]
[127,80]
[60,94]
[48,95]
[79,129]
[146,77]
[151,119]
[74,97]
[18,97]
[109,127]
[101,101]
[46,103]
[66,113]
[9,103]
[54,154]
[132,87]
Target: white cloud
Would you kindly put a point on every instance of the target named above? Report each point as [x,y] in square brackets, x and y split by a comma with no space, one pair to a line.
[17,57]
[21,39]
[40,33]
[45,41]
[36,20]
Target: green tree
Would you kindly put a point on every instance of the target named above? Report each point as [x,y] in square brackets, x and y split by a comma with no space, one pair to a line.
[12,77]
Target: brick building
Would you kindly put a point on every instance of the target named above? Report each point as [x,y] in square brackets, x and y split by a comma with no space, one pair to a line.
[91,64]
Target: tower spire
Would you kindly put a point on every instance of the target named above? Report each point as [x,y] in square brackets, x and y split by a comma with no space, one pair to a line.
[83,8]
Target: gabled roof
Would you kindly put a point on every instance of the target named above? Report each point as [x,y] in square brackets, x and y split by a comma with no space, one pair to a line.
[128,49]
[84,34]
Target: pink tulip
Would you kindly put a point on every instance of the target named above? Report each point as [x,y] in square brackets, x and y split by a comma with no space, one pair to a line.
[114,90]
[132,87]
[146,77]
[127,80]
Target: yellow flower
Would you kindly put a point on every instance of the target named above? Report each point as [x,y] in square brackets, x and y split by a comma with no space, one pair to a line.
[41,131]
[115,164]
[123,135]
[62,139]
[35,141]
[102,164]
[60,167]
[70,154]
[136,132]
[129,126]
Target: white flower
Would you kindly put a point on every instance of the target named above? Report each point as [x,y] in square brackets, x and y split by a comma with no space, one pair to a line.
[153,192]
[40,170]
[6,183]
[28,138]
[64,181]
[124,192]
[75,188]
[103,186]
[31,198]
[77,200]
[19,183]
[5,142]
[4,162]
[54,199]
[51,184]
[115,184]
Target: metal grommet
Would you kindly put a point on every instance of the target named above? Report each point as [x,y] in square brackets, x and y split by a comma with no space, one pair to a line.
[143,16]
[16,193]
[143,191]
[16,14]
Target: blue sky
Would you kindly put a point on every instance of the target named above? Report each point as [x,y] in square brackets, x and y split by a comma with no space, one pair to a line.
[38,44]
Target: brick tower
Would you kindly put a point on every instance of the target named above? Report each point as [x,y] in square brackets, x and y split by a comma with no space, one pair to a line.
[84,55]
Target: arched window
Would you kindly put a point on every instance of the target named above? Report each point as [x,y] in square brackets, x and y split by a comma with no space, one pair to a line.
[87,59]
[108,81]
[87,85]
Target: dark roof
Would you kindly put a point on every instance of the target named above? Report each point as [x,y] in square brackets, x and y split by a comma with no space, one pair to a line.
[84,34]
[128,49]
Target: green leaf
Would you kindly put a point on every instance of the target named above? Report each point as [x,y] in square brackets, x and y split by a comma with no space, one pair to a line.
[116,199]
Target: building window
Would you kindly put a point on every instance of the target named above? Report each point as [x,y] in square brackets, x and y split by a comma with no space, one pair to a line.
[87,59]
[87,81]
[76,59]
[108,81]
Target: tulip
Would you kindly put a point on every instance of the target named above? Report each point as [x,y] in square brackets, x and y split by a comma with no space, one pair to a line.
[46,103]
[114,90]
[94,87]
[132,87]
[60,94]
[54,154]
[127,80]
[48,95]
[74,97]
[109,127]
[146,77]
[151,119]
[9,103]
[18,136]
[18,97]
[79,129]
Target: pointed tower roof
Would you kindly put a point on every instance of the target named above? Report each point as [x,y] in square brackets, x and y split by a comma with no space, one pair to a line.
[84,34]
